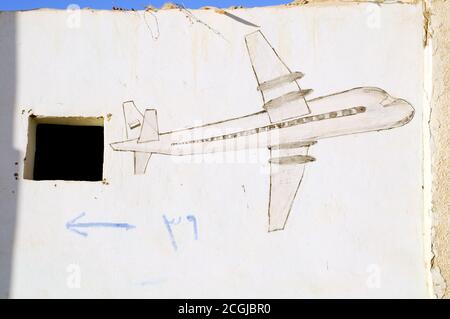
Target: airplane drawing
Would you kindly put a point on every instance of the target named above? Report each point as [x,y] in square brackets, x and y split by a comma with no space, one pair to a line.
[287,126]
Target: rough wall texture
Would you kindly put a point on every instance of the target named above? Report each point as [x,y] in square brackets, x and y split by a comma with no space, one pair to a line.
[440,131]
[370,245]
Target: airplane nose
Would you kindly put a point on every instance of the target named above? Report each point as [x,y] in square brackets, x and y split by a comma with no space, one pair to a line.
[403,106]
[411,112]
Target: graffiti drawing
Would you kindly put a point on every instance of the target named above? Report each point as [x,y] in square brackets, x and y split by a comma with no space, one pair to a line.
[288,125]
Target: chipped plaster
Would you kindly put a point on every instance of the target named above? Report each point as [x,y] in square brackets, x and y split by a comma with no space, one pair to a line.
[440,140]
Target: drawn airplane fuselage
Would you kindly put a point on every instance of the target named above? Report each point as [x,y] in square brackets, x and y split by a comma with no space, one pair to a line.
[354,111]
[287,126]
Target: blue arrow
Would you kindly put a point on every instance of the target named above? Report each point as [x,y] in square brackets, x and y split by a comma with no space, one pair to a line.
[71,225]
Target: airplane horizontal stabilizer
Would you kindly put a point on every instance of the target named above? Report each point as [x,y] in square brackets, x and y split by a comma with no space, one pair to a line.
[140,128]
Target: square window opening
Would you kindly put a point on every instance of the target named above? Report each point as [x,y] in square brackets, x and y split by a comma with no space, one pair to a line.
[65,148]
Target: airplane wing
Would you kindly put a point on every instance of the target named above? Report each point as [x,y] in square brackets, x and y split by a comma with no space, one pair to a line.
[282,96]
[287,165]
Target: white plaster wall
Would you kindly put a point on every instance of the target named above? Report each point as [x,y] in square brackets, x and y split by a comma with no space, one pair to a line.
[356,227]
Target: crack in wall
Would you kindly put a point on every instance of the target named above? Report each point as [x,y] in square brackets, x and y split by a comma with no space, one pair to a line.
[194,19]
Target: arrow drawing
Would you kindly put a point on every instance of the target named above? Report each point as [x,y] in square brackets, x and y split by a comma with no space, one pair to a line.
[72,225]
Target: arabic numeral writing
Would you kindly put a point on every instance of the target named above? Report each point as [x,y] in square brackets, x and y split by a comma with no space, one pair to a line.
[170,223]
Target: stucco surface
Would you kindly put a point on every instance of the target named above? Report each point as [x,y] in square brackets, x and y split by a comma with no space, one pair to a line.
[440,146]
[357,230]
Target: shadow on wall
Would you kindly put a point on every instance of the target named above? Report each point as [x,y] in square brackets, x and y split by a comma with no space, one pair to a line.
[10,161]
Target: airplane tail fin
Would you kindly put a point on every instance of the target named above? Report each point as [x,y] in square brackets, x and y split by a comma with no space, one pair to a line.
[149,131]
[144,128]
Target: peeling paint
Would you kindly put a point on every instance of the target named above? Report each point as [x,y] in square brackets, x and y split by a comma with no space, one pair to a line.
[426,23]
[169,6]
[439,283]
[440,141]
[295,3]
[150,8]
